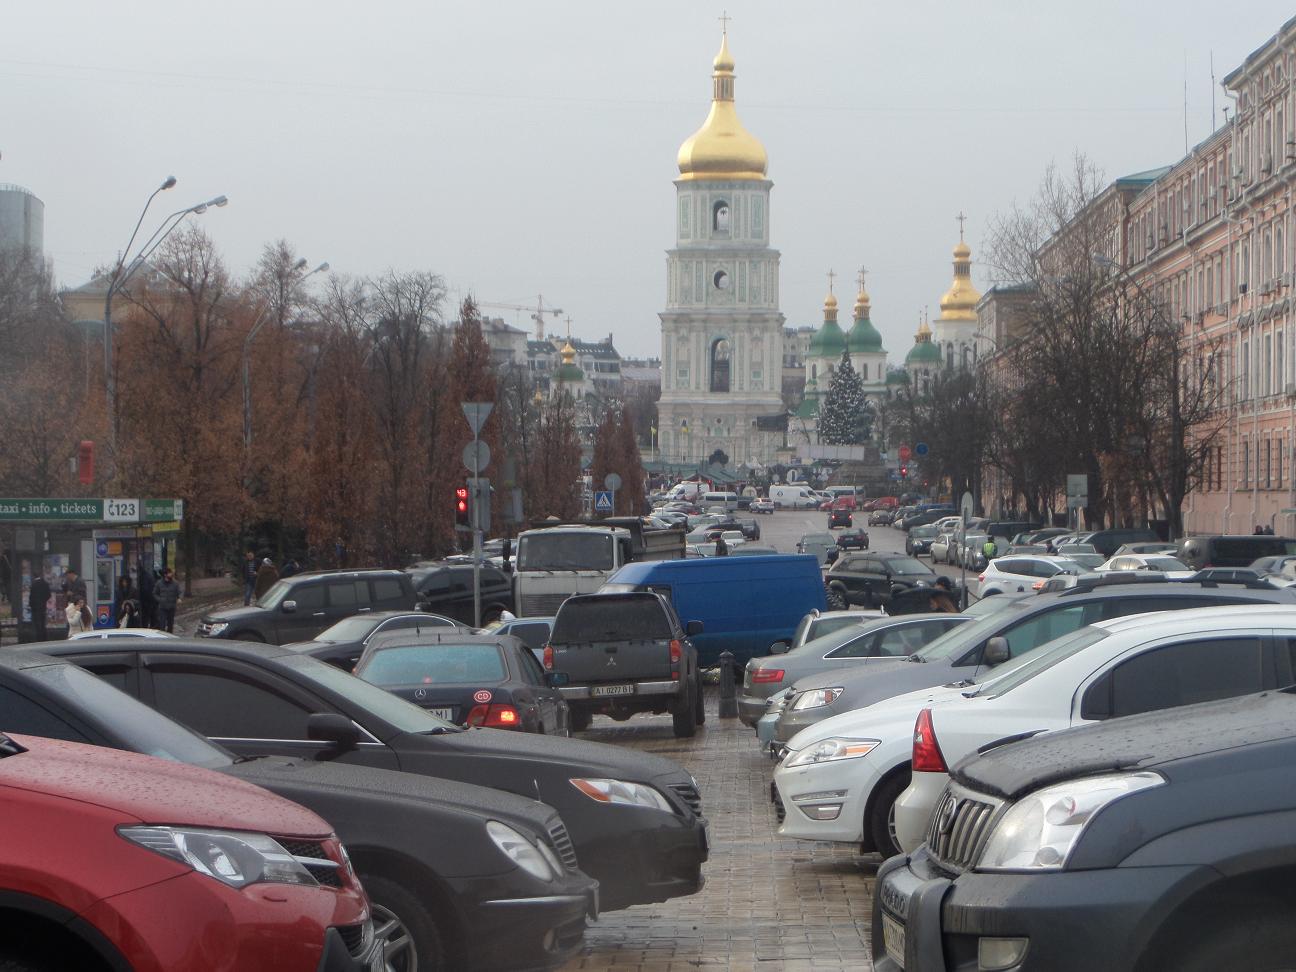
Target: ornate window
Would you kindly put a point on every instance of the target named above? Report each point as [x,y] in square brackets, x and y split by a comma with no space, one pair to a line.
[720,365]
[720,218]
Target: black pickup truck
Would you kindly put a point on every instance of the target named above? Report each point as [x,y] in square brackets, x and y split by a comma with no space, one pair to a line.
[626,653]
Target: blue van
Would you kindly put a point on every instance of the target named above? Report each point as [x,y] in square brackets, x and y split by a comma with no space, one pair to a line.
[745,604]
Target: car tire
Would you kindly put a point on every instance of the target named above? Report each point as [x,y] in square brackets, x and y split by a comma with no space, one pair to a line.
[699,706]
[580,720]
[684,713]
[880,820]
[413,940]
[836,599]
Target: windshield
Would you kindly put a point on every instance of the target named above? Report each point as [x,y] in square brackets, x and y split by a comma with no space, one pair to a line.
[907,565]
[1044,658]
[400,715]
[1165,563]
[565,551]
[611,618]
[439,664]
[271,598]
[989,605]
[140,728]
[922,532]
[965,635]
[348,629]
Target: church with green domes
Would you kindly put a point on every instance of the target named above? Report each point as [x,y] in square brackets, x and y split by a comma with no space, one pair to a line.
[862,343]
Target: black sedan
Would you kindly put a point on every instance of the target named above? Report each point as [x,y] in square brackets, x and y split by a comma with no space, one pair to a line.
[344,643]
[857,539]
[449,888]
[636,822]
[469,679]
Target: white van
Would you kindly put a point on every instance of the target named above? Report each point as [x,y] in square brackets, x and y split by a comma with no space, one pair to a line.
[727,500]
[685,491]
[794,498]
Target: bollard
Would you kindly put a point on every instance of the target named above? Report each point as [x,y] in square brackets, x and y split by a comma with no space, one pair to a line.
[728,703]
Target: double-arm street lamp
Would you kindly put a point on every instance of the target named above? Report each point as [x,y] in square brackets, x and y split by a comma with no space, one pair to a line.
[120,276]
[297,267]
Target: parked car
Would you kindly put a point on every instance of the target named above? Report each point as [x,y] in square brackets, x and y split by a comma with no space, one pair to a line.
[129,861]
[624,653]
[1232,551]
[1147,547]
[818,545]
[1170,849]
[793,497]
[817,623]
[1228,575]
[344,643]
[299,607]
[534,632]
[873,637]
[1107,670]
[856,539]
[749,527]
[406,835]
[1106,541]
[637,826]
[919,540]
[762,505]
[880,517]
[870,578]
[751,550]
[447,589]
[468,679]
[103,634]
[1022,573]
[840,518]
[1171,567]
[1016,627]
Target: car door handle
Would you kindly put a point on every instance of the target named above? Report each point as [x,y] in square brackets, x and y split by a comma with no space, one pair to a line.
[318,614]
[363,610]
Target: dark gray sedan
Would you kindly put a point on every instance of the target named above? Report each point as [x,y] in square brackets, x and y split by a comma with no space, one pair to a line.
[885,637]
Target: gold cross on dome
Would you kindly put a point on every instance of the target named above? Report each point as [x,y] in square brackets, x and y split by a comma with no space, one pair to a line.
[961,218]
[862,274]
[724,19]
[568,327]
[831,277]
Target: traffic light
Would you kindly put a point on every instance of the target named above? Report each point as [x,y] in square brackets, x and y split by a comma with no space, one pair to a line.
[463,516]
[904,472]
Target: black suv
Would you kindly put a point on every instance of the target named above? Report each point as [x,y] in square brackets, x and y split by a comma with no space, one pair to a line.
[447,589]
[298,608]
[1167,846]
[870,578]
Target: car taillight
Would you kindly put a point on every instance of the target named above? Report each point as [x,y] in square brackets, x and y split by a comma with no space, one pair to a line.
[494,716]
[767,675]
[927,757]
[981,579]
[1037,585]
[548,658]
[677,651]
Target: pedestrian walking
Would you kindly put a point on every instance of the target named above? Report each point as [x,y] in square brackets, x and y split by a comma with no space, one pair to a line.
[265,577]
[249,576]
[73,586]
[38,602]
[129,615]
[125,592]
[167,593]
[78,615]
[722,548]
[148,603]
[989,549]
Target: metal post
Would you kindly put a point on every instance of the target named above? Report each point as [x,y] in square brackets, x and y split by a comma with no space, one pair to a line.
[475,495]
[728,701]
[963,592]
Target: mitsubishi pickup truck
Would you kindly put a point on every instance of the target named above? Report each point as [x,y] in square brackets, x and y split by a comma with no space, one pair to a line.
[626,653]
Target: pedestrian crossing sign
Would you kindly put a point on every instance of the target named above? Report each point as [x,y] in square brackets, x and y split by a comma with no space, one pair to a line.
[603,501]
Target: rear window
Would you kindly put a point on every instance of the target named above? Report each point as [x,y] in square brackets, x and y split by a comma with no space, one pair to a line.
[433,665]
[611,619]
[906,565]
[1243,550]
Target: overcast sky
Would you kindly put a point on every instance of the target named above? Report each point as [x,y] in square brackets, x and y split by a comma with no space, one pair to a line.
[522,148]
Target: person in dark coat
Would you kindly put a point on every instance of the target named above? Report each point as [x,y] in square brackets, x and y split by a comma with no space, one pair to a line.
[125,592]
[942,596]
[249,576]
[266,577]
[37,599]
[290,567]
[722,548]
[167,593]
[73,586]
[148,603]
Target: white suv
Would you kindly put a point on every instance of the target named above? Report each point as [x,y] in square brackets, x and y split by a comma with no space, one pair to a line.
[1023,573]
[1103,671]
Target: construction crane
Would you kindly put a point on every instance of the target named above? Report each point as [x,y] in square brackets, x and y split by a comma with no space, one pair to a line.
[537,310]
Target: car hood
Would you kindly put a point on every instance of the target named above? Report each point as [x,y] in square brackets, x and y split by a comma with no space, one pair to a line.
[869,684]
[237,614]
[152,790]
[1143,741]
[867,722]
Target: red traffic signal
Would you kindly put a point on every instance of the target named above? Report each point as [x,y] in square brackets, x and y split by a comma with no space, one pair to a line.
[462,517]
[904,472]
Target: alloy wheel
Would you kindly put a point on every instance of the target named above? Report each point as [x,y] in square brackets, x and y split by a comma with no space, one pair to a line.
[399,954]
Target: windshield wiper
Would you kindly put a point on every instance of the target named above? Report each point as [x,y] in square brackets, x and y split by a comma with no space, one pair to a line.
[917,658]
[441,730]
[8,747]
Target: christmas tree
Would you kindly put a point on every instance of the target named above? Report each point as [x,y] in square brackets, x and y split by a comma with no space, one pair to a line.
[845,417]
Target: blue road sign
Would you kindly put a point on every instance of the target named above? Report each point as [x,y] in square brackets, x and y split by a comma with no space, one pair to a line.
[603,501]
[921,449]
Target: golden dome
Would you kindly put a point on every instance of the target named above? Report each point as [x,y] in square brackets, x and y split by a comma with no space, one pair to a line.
[830,307]
[959,302]
[722,148]
[861,304]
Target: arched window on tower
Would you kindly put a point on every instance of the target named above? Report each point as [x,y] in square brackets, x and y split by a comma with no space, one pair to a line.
[720,218]
[720,365]
[967,358]
[949,356]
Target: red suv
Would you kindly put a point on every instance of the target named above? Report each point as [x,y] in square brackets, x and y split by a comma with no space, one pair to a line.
[117,861]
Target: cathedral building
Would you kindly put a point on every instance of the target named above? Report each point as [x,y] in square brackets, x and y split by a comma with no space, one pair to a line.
[722,331]
[955,334]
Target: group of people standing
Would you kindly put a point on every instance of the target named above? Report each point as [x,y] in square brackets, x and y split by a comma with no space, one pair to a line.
[151,604]
[260,575]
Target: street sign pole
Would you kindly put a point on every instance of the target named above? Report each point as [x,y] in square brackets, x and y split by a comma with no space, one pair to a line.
[476,414]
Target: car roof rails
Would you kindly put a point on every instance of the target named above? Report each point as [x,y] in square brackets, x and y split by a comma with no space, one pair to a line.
[1087,582]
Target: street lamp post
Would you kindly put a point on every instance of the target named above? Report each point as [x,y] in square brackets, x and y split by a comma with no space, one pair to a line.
[247,353]
[121,275]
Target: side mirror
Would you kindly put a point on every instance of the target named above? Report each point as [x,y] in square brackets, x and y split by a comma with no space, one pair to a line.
[780,648]
[557,679]
[332,727]
[693,628]
[996,651]
[288,607]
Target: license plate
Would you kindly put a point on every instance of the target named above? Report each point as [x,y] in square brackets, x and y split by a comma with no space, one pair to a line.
[446,714]
[612,690]
[893,935]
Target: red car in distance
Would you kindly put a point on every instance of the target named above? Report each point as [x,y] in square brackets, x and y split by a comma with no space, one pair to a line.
[116,862]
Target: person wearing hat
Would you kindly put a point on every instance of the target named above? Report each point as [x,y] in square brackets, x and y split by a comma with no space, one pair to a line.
[941,597]
[265,577]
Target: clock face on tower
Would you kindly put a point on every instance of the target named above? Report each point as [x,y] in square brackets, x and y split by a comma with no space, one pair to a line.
[720,280]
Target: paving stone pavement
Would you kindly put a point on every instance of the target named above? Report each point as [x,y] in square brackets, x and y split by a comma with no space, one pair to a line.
[769,903]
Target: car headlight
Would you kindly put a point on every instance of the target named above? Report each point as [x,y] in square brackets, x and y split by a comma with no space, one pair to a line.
[1039,831]
[828,750]
[520,851]
[621,792]
[231,857]
[816,698]
[217,627]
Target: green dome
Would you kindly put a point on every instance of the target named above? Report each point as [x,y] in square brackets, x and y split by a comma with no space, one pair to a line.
[897,377]
[808,408]
[864,337]
[828,342]
[570,372]
[922,353]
